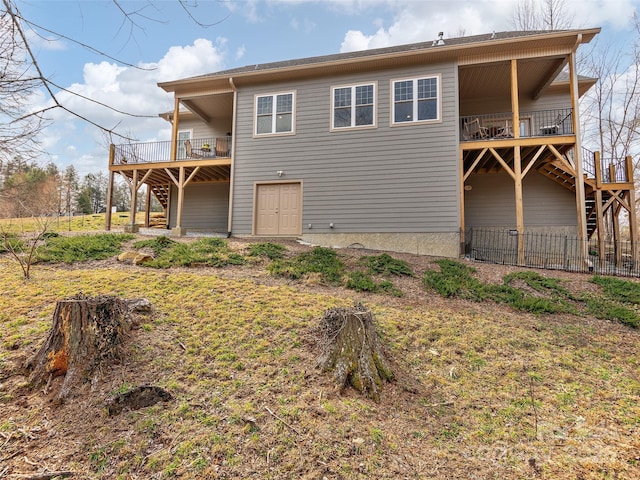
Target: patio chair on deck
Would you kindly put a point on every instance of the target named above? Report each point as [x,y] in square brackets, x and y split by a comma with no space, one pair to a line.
[475,131]
[189,150]
[222,147]
[555,127]
[504,132]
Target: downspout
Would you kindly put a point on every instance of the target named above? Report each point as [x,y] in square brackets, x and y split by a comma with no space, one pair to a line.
[233,155]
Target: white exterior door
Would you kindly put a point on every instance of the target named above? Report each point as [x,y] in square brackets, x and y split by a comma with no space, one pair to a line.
[278,209]
[182,136]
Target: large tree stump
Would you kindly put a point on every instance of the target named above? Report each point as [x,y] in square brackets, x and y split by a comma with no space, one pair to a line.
[352,350]
[86,332]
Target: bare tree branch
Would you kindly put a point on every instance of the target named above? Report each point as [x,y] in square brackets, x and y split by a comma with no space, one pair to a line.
[35,26]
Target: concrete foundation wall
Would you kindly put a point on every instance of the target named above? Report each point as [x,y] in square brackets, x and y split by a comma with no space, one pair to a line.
[444,244]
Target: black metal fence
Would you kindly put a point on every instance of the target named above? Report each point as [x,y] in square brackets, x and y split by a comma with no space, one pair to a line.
[551,251]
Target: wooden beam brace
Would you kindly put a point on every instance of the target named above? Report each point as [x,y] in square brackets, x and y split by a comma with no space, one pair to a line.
[503,163]
[474,164]
[176,182]
[533,160]
[193,174]
[146,175]
[198,112]
[559,156]
[552,73]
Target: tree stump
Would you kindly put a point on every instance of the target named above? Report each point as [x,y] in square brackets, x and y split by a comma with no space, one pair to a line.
[352,350]
[86,332]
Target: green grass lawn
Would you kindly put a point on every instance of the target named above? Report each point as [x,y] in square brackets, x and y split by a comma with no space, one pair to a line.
[483,388]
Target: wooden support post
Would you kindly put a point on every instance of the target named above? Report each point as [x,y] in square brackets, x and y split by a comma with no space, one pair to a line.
[147,210]
[598,169]
[581,208]
[517,170]
[616,232]
[134,198]
[180,200]
[633,217]
[174,129]
[600,227]
[515,104]
[462,179]
[107,218]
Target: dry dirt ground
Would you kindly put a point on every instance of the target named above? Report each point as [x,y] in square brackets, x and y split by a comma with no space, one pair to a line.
[277,416]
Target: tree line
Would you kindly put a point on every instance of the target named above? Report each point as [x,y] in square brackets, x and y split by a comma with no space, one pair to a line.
[29,189]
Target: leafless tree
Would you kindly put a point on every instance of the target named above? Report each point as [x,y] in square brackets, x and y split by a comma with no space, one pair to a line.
[20,74]
[19,129]
[611,109]
[541,15]
[23,248]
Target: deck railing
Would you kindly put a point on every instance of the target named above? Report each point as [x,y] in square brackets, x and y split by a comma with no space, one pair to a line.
[614,170]
[532,124]
[155,152]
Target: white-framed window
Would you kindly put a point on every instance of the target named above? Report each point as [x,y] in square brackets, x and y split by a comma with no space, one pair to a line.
[416,100]
[353,106]
[275,113]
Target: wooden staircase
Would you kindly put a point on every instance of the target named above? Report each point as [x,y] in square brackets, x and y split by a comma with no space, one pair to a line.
[561,174]
[162,194]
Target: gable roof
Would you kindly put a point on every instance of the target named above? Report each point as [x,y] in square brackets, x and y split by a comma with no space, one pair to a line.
[461,49]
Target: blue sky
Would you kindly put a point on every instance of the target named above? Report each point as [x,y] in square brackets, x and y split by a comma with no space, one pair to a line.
[167,44]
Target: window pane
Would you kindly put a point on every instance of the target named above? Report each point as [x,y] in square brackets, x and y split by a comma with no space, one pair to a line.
[427,88]
[364,115]
[283,122]
[364,95]
[428,109]
[403,90]
[265,105]
[403,112]
[263,124]
[284,103]
[342,117]
[342,97]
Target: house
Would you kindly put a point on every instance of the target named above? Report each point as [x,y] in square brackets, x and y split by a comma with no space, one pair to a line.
[399,148]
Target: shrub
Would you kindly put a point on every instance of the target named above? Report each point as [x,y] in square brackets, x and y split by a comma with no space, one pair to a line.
[386,265]
[212,252]
[321,260]
[81,248]
[612,310]
[270,250]
[453,280]
[622,290]
[157,245]
[361,282]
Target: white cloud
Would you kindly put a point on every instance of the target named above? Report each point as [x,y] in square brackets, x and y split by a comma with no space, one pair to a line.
[131,90]
[413,21]
[240,51]
[422,21]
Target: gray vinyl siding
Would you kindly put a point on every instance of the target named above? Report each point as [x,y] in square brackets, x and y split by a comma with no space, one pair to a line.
[203,130]
[491,202]
[206,207]
[386,179]
[485,106]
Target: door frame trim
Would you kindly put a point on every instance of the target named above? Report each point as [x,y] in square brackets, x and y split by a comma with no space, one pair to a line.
[254,221]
